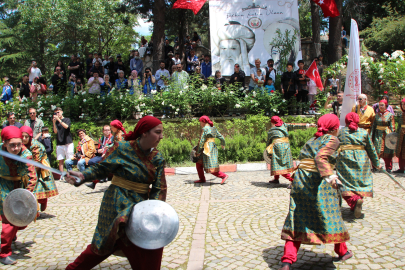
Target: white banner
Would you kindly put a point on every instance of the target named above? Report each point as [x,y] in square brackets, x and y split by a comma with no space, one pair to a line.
[242,30]
[353,75]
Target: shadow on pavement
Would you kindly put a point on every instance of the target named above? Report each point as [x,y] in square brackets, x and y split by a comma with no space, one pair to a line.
[22,249]
[348,216]
[45,216]
[268,185]
[272,256]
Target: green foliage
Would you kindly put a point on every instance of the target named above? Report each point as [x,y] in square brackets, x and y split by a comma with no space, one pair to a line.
[298,138]
[385,34]
[285,43]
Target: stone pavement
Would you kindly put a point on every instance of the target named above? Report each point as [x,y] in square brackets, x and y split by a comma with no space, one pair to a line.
[233,226]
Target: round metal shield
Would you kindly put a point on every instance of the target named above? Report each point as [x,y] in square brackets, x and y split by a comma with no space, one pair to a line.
[266,156]
[391,140]
[152,224]
[20,207]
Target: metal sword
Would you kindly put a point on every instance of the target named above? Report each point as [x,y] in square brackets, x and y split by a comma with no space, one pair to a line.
[392,178]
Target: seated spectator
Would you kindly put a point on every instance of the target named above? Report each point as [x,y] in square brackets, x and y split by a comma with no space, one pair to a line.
[85,151]
[270,86]
[79,85]
[62,67]
[134,83]
[192,62]
[121,84]
[106,86]
[11,121]
[196,38]
[46,139]
[34,123]
[136,63]
[103,145]
[24,88]
[218,80]
[148,81]
[7,94]
[198,73]
[161,74]
[206,66]
[94,83]
[238,77]
[97,67]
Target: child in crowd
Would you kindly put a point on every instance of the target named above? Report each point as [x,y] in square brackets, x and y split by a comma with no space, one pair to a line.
[259,79]
[270,86]
[312,91]
[46,140]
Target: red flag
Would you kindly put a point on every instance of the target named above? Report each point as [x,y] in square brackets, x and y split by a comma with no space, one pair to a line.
[313,74]
[194,5]
[329,7]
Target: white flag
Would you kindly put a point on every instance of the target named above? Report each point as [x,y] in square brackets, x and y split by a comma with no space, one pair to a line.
[353,76]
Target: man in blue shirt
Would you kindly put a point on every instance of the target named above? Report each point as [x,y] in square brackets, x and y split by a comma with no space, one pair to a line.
[7,94]
[206,67]
[344,36]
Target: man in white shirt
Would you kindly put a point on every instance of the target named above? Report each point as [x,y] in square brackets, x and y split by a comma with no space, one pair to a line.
[176,59]
[94,83]
[33,72]
[253,73]
[160,74]
[180,77]
[97,57]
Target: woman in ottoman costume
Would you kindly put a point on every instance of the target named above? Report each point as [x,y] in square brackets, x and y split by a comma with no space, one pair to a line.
[314,216]
[400,153]
[13,175]
[207,146]
[136,164]
[279,146]
[46,186]
[383,125]
[353,163]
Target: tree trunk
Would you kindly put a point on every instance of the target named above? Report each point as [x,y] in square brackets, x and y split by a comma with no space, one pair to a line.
[41,61]
[159,12]
[335,41]
[316,29]
[182,19]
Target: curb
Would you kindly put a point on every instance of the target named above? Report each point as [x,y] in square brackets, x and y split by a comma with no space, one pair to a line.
[247,167]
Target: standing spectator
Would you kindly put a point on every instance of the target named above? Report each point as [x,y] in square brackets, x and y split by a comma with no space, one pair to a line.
[169,61]
[344,38]
[320,65]
[34,123]
[64,142]
[270,71]
[94,83]
[301,86]
[33,71]
[196,38]
[149,49]
[24,87]
[206,66]
[176,59]
[259,80]
[168,48]
[270,86]
[74,67]
[312,91]
[161,75]
[137,64]
[106,64]
[97,67]
[131,56]
[148,81]
[133,83]
[288,86]
[89,64]
[335,105]
[180,77]
[121,84]
[72,84]
[238,77]
[86,150]
[11,121]
[62,68]
[106,86]
[97,58]
[36,89]
[58,82]
[253,73]
[46,139]
[111,69]
[174,69]
[192,62]
[119,66]
[199,74]
[334,85]
[144,42]
[81,69]
[7,94]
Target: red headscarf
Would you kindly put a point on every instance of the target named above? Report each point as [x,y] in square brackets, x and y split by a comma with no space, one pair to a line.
[402,102]
[206,119]
[385,102]
[352,119]
[327,122]
[145,124]
[10,132]
[118,124]
[277,121]
[28,130]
